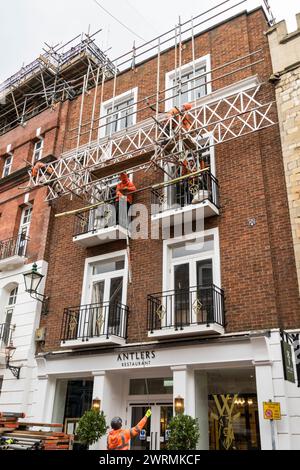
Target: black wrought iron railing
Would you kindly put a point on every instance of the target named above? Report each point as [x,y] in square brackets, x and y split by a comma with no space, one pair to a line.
[94,321]
[5,334]
[192,190]
[101,217]
[13,246]
[181,308]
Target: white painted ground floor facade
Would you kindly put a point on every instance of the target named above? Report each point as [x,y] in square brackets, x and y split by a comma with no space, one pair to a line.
[19,319]
[223,382]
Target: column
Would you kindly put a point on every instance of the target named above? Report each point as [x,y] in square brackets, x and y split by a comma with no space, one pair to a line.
[184,386]
[264,384]
[201,395]
[99,392]
[43,408]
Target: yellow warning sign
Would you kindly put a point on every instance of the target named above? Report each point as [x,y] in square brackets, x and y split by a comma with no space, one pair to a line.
[272,410]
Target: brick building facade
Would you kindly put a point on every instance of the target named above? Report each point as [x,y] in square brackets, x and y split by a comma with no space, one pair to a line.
[169,334]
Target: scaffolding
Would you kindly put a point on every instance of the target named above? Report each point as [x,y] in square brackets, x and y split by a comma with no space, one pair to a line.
[162,141]
[56,75]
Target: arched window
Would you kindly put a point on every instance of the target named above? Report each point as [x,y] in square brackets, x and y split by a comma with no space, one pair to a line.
[13,296]
[6,327]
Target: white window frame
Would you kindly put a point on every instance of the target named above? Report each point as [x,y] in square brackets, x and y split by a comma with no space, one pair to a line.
[211,150]
[168,263]
[132,93]
[24,229]
[38,151]
[10,307]
[88,278]
[201,61]
[7,166]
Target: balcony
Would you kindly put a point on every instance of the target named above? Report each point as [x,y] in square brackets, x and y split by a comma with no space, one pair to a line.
[196,311]
[185,197]
[5,337]
[13,252]
[94,324]
[101,225]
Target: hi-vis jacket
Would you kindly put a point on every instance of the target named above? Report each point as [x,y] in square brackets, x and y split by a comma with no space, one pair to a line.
[120,439]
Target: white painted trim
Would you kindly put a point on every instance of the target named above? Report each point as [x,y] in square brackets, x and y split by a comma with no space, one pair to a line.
[204,60]
[132,93]
[216,255]
[201,329]
[243,85]
[87,273]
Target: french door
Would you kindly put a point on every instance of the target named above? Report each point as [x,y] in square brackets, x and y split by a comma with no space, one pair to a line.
[107,294]
[106,299]
[156,432]
[192,300]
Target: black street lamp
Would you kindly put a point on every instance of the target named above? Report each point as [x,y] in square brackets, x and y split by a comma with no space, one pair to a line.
[9,352]
[33,280]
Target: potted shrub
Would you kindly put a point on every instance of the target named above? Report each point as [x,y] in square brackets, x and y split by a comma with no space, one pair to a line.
[91,427]
[184,433]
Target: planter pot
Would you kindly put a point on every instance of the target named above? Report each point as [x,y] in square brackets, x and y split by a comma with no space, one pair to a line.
[200,196]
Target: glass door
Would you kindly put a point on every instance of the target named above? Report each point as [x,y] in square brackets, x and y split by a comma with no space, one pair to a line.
[181,295]
[191,280]
[106,296]
[143,441]
[203,311]
[156,432]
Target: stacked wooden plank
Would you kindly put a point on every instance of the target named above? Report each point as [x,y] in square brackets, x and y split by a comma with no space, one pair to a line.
[9,421]
[16,435]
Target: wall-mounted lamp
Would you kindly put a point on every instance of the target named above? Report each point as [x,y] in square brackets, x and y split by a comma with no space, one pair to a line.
[179,405]
[96,404]
[33,280]
[9,352]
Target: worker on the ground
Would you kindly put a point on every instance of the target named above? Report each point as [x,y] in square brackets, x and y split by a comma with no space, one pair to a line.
[181,116]
[124,189]
[118,438]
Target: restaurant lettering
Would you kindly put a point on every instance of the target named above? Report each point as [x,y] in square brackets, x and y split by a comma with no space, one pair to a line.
[136,359]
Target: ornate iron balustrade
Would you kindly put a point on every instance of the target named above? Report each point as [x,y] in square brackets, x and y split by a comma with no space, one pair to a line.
[192,190]
[15,246]
[104,216]
[94,321]
[185,307]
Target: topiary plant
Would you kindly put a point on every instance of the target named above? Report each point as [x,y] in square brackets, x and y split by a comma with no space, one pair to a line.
[91,427]
[184,433]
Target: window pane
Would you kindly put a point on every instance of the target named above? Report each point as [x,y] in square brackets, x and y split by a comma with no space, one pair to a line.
[120,119]
[108,266]
[204,273]
[116,285]
[193,247]
[98,293]
[13,296]
[151,386]
[26,216]
[181,276]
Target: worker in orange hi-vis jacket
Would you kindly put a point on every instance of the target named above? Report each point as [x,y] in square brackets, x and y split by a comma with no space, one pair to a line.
[124,189]
[38,167]
[181,116]
[118,438]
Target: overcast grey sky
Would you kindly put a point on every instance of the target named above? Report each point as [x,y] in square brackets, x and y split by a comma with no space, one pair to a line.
[27,24]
